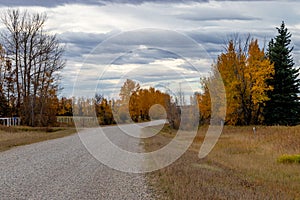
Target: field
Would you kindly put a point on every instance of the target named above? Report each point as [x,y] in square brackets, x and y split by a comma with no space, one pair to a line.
[16,136]
[241,166]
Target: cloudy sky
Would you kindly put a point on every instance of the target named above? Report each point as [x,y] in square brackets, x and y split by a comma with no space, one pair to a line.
[166,44]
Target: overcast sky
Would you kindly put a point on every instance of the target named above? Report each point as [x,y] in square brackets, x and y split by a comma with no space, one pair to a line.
[157,43]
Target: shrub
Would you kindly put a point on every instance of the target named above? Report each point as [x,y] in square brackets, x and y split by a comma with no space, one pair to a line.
[289,159]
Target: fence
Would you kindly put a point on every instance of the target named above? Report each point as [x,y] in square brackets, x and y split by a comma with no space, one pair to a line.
[80,121]
[10,121]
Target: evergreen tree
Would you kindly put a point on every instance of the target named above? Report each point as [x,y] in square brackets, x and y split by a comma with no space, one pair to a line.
[284,106]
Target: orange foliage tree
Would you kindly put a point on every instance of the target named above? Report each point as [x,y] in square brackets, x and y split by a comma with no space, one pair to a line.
[245,75]
[143,99]
[65,107]
[135,103]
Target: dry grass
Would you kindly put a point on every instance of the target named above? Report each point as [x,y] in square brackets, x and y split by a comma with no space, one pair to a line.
[17,136]
[241,166]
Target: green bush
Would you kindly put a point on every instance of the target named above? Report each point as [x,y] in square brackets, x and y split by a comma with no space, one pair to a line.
[289,159]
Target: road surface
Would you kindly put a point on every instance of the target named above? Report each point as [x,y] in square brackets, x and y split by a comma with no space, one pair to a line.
[64,169]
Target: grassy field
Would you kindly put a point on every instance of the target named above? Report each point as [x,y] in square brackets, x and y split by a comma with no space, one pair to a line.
[241,166]
[16,136]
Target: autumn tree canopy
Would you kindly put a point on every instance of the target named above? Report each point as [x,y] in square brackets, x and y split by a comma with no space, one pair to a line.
[245,75]
[135,103]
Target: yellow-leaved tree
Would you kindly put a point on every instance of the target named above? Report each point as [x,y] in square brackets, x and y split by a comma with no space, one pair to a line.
[258,69]
[245,72]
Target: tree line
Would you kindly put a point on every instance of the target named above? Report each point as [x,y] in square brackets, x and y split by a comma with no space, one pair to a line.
[262,85]
[135,104]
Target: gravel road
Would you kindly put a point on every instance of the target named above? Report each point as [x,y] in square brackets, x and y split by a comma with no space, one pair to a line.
[64,169]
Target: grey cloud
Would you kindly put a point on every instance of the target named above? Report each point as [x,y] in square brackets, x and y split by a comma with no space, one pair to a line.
[82,38]
[125,48]
[137,2]
[206,37]
[55,3]
[153,1]
[166,41]
[143,56]
[116,50]
[79,44]
[214,42]
[209,16]
[47,3]
[296,43]
[191,68]
[79,47]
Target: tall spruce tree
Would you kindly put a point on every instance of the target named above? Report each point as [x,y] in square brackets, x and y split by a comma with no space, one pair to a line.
[284,106]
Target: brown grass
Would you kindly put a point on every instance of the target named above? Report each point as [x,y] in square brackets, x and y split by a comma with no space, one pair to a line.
[17,136]
[241,166]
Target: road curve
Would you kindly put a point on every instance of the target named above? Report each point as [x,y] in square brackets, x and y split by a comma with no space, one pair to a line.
[64,169]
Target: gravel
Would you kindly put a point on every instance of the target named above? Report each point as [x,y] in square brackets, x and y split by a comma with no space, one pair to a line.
[64,169]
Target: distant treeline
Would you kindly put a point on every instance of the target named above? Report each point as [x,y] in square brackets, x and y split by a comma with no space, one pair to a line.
[262,84]
[134,105]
